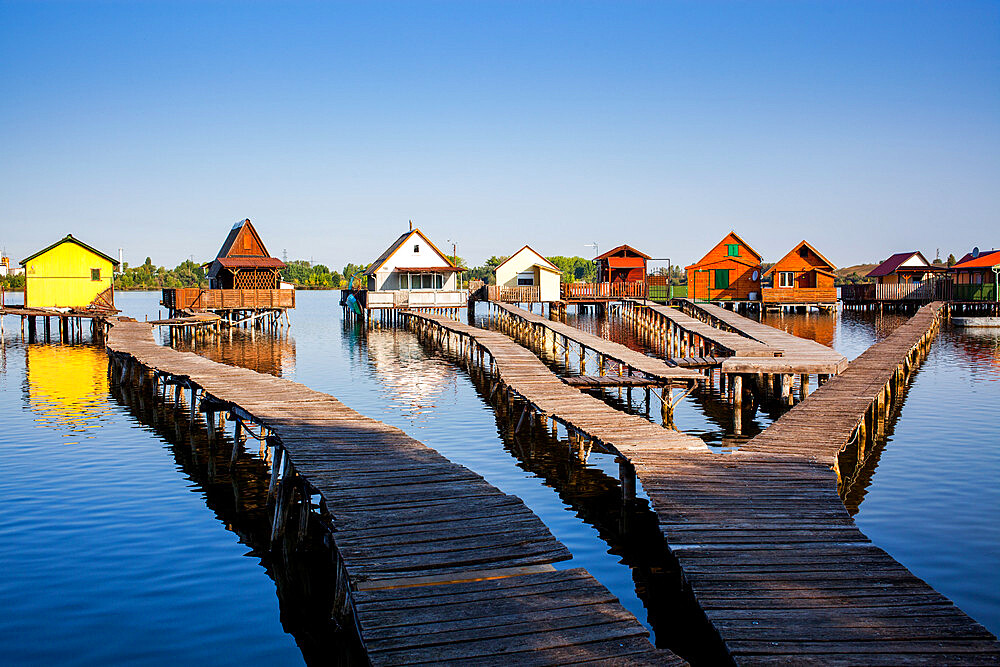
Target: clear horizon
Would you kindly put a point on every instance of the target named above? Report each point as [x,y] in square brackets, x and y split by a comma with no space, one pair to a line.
[866,129]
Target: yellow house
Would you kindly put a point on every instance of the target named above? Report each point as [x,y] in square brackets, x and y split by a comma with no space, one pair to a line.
[69,274]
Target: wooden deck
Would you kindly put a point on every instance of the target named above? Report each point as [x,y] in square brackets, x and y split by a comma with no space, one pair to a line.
[798,355]
[437,565]
[761,534]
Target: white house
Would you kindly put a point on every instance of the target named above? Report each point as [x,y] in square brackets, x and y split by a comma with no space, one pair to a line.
[526,269]
[412,272]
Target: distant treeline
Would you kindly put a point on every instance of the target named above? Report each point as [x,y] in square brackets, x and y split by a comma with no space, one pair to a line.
[574,269]
[302,274]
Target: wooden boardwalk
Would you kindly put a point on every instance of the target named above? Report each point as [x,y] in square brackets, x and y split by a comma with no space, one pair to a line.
[798,355]
[434,564]
[606,350]
[761,534]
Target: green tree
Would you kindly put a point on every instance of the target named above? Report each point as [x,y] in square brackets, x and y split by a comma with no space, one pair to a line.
[575,269]
[951,259]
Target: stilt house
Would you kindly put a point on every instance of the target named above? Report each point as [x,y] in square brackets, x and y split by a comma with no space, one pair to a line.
[69,274]
[623,264]
[903,268]
[412,273]
[527,277]
[729,272]
[243,262]
[803,277]
[244,283]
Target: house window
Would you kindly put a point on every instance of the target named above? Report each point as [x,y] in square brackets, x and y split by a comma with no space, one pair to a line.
[404,281]
[526,278]
[734,249]
[95,274]
[721,278]
[786,279]
[416,247]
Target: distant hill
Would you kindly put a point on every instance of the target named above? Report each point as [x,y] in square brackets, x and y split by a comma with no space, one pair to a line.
[860,269]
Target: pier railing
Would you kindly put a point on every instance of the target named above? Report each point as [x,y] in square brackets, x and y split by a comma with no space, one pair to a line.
[930,290]
[197,299]
[374,300]
[603,291]
[515,294]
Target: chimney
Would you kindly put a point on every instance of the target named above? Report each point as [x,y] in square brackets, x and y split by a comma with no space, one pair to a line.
[411,225]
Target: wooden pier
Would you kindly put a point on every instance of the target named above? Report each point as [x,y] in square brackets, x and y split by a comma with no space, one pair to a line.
[606,351]
[762,535]
[433,563]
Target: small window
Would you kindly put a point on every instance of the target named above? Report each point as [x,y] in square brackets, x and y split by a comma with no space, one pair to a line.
[404,281]
[526,278]
[428,281]
[95,274]
[786,279]
[416,247]
[722,279]
[734,249]
[438,281]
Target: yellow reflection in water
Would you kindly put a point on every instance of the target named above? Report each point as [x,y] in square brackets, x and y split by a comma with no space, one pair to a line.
[67,386]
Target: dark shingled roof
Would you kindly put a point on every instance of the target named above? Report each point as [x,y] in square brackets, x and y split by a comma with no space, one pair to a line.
[890,265]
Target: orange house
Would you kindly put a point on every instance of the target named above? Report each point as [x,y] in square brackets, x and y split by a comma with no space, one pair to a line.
[803,277]
[729,272]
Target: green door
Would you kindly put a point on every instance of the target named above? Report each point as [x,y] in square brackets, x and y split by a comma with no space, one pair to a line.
[722,279]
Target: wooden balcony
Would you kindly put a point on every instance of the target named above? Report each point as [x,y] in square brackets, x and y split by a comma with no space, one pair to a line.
[926,291]
[197,300]
[517,294]
[374,300]
[799,295]
[603,291]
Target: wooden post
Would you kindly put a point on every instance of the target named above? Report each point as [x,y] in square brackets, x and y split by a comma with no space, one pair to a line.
[803,385]
[786,388]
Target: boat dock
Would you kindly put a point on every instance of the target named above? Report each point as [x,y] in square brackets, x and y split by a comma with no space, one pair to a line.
[761,534]
[433,563]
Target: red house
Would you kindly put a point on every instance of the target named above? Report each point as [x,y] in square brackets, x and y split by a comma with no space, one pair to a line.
[624,264]
[729,272]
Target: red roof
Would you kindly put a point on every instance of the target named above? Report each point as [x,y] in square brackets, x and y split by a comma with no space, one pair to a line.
[250,262]
[986,259]
[622,248]
[890,265]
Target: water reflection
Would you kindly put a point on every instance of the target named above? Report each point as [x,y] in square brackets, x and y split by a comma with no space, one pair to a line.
[237,494]
[271,352]
[67,386]
[820,327]
[407,382]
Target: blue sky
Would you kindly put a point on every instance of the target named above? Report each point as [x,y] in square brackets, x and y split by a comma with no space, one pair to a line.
[865,128]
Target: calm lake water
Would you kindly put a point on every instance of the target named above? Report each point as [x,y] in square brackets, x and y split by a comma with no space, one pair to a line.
[122,540]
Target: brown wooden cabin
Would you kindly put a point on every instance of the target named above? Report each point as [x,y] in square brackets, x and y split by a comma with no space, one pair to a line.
[729,272]
[244,263]
[243,277]
[803,277]
[623,264]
